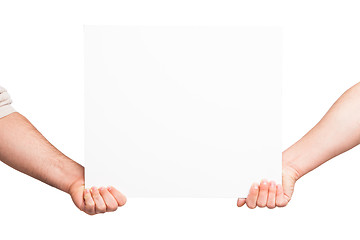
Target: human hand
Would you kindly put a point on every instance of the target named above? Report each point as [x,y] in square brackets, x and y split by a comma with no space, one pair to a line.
[96,200]
[270,195]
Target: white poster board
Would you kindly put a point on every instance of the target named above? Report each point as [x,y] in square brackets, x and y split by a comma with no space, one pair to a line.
[182,111]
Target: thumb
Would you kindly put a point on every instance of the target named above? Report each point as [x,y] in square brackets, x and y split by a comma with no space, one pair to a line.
[77,194]
[289,178]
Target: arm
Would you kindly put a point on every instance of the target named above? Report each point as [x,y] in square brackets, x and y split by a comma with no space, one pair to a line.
[24,148]
[337,132]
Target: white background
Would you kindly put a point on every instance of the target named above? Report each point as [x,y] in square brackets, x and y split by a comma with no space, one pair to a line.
[41,53]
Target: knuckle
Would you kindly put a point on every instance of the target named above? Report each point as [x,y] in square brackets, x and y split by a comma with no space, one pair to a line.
[101,209]
[251,206]
[90,205]
[112,208]
[122,202]
[89,212]
[271,206]
[281,204]
[97,196]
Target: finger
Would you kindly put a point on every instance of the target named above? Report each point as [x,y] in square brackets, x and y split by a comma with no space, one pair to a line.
[119,197]
[89,202]
[241,202]
[263,193]
[280,199]
[272,195]
[100,206]
[110,201]
[253,195]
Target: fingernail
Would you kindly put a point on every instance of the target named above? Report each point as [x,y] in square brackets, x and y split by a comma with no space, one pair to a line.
[101,188]
[109,188]
[272,184]
[86,190]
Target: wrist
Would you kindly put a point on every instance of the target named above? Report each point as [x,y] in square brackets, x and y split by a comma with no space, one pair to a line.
[75,184]
[73,175]
[290,165]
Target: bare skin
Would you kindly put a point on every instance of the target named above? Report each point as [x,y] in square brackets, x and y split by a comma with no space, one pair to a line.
[24,148]
[337,132]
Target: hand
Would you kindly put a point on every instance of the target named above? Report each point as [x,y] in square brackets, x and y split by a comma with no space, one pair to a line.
[270,195]
[96,200]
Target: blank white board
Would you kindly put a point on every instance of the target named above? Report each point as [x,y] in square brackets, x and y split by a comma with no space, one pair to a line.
[182,111]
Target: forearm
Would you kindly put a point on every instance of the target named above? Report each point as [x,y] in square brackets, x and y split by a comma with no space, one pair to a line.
[337,132]
[25,149]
